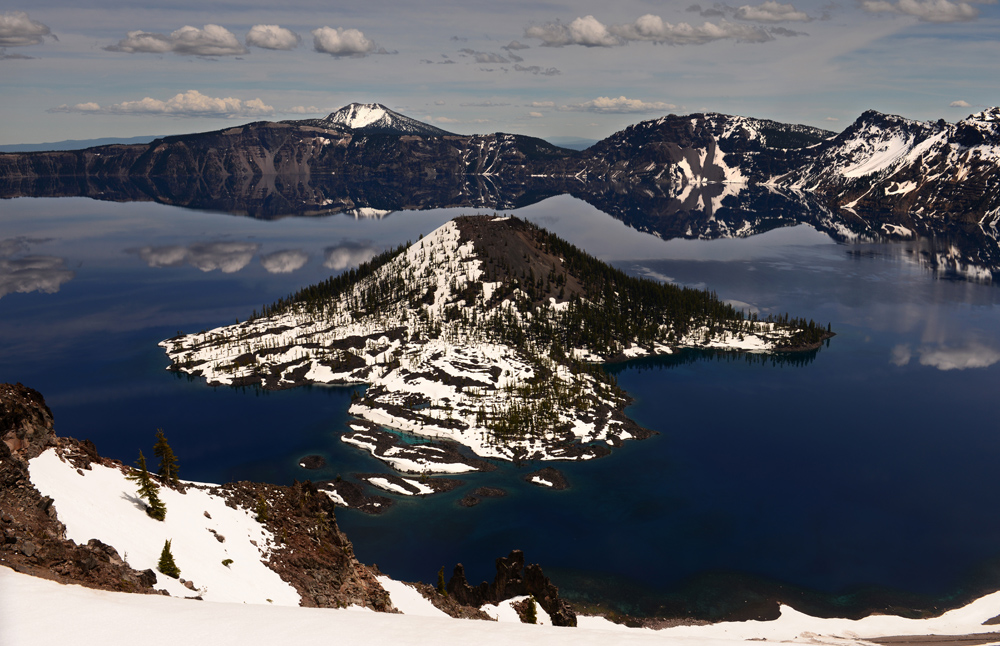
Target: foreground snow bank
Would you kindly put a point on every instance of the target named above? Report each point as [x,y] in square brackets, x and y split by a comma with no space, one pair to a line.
[100,503]
[38,612]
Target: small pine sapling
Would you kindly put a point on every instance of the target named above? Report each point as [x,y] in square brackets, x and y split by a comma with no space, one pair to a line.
[442,589]
[168,461]
[166,564]
[261,509]
[531,612]
[148,490]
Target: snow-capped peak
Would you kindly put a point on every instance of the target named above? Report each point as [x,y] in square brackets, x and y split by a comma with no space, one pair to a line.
[376,118]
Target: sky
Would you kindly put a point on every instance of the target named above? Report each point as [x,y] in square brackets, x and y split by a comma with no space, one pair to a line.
[82,69]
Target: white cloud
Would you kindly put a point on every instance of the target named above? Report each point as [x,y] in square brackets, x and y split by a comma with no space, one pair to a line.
[535,115]
[515,46]
[272,37]
[926,10]
[586,31]
[543,104]
[771,11]
[303,109]
[18,30]
[832,119]
[284,262]
[341,42]
[959,104]
[188,104]
[348,254]
[621,105]
[212,40]
[653,28]
[900,355]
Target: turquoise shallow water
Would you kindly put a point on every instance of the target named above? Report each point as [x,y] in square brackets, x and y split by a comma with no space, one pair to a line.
[868,464]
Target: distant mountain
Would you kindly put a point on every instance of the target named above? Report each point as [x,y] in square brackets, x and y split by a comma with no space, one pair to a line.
[374,118]
[74,144]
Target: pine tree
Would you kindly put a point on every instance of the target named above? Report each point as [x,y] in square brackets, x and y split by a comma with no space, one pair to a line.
[531,612]
[148,490]
[442,589]
[166,564]
[261,509]
[168,461]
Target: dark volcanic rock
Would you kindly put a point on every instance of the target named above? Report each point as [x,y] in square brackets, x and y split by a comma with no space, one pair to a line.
[552,478]
[312,462]
[26,425]
[513,579]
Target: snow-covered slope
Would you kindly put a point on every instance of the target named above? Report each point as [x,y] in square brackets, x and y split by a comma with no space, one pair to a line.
[375,117]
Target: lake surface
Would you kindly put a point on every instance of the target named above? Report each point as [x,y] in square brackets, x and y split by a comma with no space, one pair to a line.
[862,473]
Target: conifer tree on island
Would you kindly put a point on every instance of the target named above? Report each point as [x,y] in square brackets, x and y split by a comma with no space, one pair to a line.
[168,461]
[148,490]
[166,564]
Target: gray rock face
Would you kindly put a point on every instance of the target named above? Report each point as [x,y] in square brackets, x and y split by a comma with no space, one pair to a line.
[25,421]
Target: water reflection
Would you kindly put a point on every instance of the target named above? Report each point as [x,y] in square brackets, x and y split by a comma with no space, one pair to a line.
[971,355]
[230,257]
[705,212]
[30,273]
[284,262]
[349,254]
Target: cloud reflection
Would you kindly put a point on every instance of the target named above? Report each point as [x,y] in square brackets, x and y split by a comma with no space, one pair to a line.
[30,273]
[971,355]
[349,254]
[284,262]
[229,257]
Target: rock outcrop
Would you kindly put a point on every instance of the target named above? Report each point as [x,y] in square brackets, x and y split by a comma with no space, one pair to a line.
[513,579]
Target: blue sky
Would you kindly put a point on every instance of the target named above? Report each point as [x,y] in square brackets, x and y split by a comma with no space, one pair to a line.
[99,68]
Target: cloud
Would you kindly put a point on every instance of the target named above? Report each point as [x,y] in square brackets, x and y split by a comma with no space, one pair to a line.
[212,40]
[272,37]
[535,69]
[543,104]
[653,28]
[229,257]
[188,104]
[621,105]
[514,46]
[484,57]
[535,115]
[959,104]
[586,31]
[302,109]
[484,104]
[4,56]
[18,30]
[342,42]
[33,274]
[781,31]
[349,254]
[284,262]
[771,11]
[971,355]
[925,10]
[713,12]
[832,119]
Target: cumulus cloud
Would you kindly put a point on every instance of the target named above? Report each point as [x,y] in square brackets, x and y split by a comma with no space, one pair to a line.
[187,104]
[229,257]
[926,10]
[272,37]
[621,105]
[711,12]
[211,40]
[971,355]
[771,11]
[342,42]
[586,31]
[959,104]
[284,262]
[535,115]
[349,254]
[18,30]
[655,29]
[543,104]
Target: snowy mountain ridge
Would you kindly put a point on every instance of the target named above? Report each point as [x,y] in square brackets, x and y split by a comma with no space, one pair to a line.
[375,117]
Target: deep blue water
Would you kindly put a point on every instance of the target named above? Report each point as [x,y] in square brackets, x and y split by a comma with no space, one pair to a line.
[871,464]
